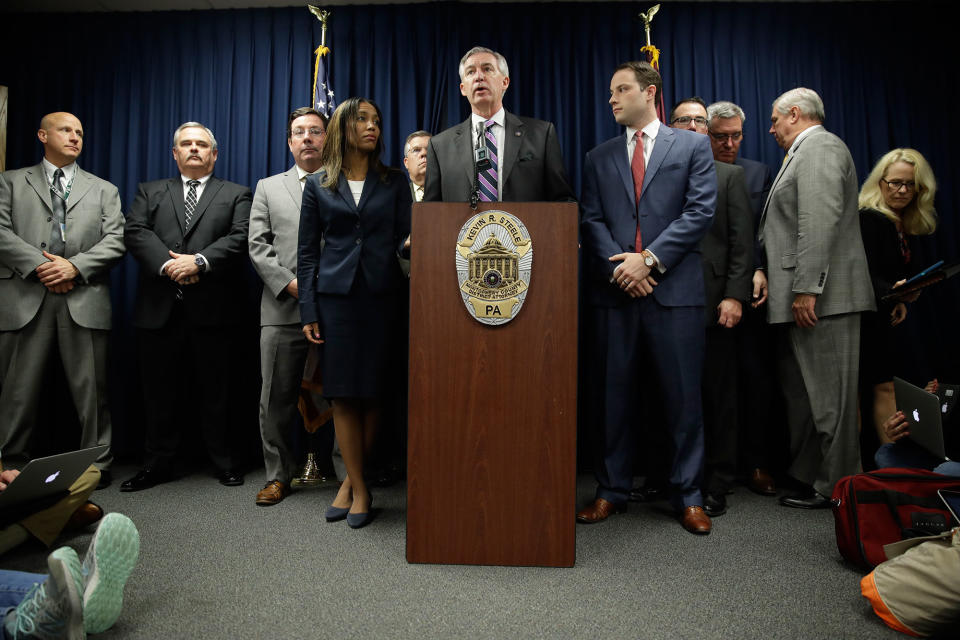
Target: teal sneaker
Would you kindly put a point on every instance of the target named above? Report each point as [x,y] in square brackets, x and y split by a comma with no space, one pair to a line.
[109,561]
[53,609]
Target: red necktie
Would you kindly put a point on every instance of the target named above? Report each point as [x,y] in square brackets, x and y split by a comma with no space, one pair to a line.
[637,167]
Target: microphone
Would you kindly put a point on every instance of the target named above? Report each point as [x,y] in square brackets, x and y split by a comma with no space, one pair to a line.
[481,155]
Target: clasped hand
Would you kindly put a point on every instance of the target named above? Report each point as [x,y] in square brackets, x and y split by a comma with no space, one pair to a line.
[183,268]
[632,275]
[57,274]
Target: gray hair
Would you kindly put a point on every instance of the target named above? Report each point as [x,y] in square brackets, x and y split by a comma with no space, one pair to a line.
[416,134]
[185,125]
[804,99]
[501,61]
[723,110]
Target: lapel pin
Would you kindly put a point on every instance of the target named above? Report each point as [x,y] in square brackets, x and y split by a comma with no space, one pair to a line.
[517,133]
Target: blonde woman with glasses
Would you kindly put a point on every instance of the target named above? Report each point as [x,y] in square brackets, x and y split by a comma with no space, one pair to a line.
[896,206]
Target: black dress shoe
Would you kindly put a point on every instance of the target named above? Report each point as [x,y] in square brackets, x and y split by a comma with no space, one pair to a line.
[648,494]
[106,479]
[230,478]
[145,479]
[715,504]
[806,501]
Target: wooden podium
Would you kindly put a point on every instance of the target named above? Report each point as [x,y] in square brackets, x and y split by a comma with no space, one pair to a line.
[491,475]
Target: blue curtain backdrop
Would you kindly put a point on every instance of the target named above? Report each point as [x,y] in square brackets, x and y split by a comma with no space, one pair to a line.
[881,68]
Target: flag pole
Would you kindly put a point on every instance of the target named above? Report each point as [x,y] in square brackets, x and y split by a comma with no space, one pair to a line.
[653,54]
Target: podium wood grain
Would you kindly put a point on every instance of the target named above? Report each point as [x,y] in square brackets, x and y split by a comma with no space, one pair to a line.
[491,475]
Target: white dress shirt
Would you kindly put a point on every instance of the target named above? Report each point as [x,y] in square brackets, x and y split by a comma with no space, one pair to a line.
[649,136]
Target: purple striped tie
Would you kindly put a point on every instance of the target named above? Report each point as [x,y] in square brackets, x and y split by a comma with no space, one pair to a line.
[489,178]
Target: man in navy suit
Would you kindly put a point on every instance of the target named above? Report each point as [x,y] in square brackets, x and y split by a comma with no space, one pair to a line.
[648,200]
[756,366]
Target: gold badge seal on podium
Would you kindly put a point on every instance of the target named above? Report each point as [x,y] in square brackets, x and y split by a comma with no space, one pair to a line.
[494,260]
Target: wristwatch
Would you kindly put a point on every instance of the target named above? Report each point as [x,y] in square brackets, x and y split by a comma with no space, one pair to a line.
[648,259]
[201,264]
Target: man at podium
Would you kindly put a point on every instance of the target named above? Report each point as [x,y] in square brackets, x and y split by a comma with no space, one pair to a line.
[525,160]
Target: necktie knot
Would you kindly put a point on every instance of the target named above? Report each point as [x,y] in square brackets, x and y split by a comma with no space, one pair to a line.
[57,178]
[193,183]
[489,124]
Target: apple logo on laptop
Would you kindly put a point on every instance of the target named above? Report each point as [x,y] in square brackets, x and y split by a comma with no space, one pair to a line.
[51,477]
[916,415]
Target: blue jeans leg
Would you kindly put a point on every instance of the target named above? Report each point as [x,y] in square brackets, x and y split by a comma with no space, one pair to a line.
[14,587]
[904,454]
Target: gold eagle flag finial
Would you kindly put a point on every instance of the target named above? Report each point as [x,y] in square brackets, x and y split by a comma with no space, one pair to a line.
[647,19]
[322,15]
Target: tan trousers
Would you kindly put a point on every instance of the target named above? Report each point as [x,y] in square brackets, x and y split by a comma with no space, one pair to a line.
[46,525]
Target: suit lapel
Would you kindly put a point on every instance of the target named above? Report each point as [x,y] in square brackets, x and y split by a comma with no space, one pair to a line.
[175,190]
[38,180]
[291,181]
[209,193]
[81,185]
[463,144]
[622,162]
[343,189]
[512,139]
[665,139]
[773,187]
[368,187]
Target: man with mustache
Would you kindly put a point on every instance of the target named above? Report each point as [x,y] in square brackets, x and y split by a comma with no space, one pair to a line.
[526,163]
[274,229]
[415,161]
[61,231]
[189,234]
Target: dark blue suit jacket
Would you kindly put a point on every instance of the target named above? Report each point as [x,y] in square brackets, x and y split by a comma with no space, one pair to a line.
[676,209]
[365,236]
[759,180]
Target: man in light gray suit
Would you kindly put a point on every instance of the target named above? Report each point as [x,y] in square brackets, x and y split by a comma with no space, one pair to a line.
[274,228]
[818,285]
[526,163]
[61,230]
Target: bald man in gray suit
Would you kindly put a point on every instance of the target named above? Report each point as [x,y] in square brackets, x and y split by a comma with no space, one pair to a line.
[818,284]
[274,229]
[61,231]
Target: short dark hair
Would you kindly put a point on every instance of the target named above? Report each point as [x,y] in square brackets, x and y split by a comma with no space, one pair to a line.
[304,111]
[646,75]
[415,134]
[696,99]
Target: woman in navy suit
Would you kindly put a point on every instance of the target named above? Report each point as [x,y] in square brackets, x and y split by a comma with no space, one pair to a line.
[354,219]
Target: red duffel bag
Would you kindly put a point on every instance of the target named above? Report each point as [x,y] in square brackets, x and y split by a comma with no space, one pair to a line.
[877,508]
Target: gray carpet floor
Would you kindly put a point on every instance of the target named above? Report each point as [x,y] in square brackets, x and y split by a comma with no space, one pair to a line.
[215,565]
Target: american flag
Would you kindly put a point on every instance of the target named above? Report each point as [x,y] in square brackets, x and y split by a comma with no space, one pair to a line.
[323,98]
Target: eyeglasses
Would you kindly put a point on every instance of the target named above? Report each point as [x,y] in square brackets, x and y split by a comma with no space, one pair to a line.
[700,120]
[316,132]
[723,137]
[897,185]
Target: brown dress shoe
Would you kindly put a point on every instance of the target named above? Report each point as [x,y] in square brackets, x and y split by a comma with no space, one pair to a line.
[272,493]
[762,482]
[600,510]
[696,520]
[85,515]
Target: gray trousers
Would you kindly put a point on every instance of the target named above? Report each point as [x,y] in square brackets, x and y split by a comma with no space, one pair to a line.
[283,353]
[23,355]
[818,371]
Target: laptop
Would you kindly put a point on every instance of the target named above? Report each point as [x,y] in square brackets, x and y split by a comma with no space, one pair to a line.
[46,477]
[922,412]
[948,394]
[952,500]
